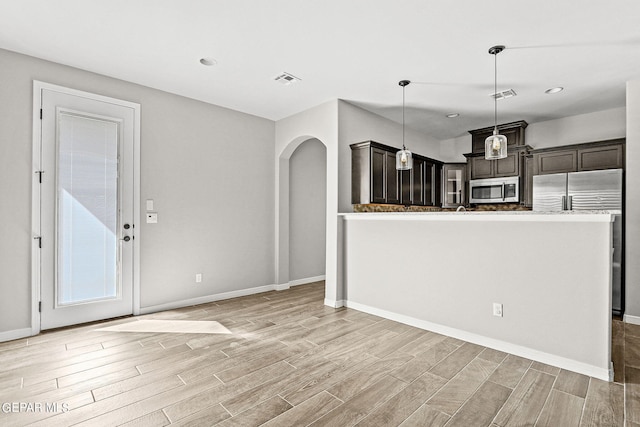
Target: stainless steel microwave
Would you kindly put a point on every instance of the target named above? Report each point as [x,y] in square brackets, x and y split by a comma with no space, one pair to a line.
[495,190]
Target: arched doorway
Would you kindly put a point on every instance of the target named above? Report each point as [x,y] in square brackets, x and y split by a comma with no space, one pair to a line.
[290,228]
[307,212]
[321,123]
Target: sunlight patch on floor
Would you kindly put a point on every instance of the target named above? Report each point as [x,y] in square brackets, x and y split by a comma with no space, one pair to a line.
[170,326]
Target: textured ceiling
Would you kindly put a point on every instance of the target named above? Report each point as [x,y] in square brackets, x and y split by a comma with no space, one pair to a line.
[356,50]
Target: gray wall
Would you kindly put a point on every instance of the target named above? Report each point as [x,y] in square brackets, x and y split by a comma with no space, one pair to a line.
[307,210]
[215,217]
[597,126]
[632,243]
[557,313]
[357,125]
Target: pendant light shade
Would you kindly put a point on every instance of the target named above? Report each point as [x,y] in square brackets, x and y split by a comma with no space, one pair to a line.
[495,146]
[404,160]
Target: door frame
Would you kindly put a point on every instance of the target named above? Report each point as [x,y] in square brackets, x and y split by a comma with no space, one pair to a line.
[36,284]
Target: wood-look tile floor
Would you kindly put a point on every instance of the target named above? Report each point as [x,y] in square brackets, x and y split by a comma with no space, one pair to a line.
[291,361]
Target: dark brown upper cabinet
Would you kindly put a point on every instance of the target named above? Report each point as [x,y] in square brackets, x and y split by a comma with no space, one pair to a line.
[609,154]
[512,165]
[413,183]
[374,178]
[514,132]
[580,157]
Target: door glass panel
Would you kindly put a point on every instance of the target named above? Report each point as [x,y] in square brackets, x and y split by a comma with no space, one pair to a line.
[87,210]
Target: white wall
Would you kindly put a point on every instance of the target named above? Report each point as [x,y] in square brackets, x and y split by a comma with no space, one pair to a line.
[320,122]
[208,170]
[357,125]
[307,210]
[452,150]
[215,217]
[597,126]
[632,233]
[555,290]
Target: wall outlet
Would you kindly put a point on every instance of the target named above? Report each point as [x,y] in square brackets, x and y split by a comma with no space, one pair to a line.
[198,277]
[497,309]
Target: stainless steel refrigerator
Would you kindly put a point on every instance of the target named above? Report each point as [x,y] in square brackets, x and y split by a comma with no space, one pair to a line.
[592,190]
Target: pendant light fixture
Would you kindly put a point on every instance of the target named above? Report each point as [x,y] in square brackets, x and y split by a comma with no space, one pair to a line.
[404,161]
[495,146]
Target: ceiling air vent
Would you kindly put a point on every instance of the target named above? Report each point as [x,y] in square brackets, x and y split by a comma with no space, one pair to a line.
[504,94]
[286,78]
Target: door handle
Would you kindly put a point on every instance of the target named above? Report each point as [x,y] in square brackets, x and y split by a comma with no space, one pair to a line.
[126,238]
[126,226]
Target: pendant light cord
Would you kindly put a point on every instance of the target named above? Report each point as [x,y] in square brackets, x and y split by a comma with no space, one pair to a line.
[403,147]
[495,89]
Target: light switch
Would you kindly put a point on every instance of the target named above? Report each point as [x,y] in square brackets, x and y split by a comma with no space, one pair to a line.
[149,204]
[152,217]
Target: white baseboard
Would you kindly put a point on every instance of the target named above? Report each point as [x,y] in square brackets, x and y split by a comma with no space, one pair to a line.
[550,359]
[211,298]
[334,303]
[634,320]
[15,334]
[298,282]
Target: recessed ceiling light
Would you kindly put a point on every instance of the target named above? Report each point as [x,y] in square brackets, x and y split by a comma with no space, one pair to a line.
[453,115]
[208,61]
[554,90]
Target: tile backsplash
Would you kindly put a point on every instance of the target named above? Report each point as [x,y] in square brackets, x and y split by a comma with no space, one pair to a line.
[375,207]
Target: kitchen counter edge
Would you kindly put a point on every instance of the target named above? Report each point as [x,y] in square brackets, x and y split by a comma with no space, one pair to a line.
[524,216]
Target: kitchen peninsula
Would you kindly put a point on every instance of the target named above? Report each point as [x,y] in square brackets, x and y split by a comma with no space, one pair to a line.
[549,273]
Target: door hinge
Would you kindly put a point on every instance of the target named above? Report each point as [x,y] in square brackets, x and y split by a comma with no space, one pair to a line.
[39,176]
[39,239]
[39,306]
[41,114]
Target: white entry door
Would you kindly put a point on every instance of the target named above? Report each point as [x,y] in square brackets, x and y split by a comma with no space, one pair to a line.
[86,208]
